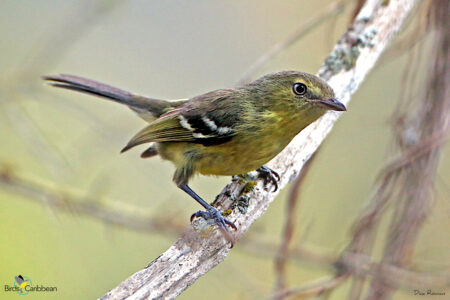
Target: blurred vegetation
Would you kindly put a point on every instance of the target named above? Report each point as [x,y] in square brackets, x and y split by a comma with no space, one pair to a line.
[70,143]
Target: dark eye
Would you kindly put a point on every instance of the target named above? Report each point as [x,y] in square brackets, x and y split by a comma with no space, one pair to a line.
[299,88]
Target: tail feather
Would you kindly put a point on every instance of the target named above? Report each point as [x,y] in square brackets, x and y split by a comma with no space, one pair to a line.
[92,87]
[147,108]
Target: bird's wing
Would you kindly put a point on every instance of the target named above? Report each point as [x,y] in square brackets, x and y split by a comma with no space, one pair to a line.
[209,119]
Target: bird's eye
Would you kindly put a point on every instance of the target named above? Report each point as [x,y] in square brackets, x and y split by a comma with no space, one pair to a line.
[299,88]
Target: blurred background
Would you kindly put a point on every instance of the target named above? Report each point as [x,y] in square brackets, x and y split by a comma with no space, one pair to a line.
[71,206]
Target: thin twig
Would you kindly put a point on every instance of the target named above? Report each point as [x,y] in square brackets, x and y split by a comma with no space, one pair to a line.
[312,289]
[87,206]
[417,151]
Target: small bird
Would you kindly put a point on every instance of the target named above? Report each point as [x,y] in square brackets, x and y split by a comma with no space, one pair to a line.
[223,132]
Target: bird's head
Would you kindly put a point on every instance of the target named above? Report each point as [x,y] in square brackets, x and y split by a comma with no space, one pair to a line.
[294,92]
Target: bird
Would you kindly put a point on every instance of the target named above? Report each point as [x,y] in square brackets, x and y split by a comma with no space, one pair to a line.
[224,132]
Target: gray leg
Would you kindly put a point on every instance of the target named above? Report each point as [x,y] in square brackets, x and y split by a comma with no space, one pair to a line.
[211,213]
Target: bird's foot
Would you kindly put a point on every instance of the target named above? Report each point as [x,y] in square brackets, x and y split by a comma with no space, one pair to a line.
[269,175]
[216,216]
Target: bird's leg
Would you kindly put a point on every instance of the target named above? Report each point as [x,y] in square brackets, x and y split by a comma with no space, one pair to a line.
[269,175]
[211,213]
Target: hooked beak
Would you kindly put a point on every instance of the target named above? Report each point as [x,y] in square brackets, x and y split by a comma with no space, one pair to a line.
[333,104]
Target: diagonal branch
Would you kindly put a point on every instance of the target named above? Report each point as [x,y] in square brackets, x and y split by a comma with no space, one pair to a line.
[193,254]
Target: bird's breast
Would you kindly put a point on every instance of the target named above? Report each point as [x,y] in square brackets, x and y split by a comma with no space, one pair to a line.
[241,155]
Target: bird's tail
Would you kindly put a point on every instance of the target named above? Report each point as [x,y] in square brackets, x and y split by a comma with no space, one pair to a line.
[147,108]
